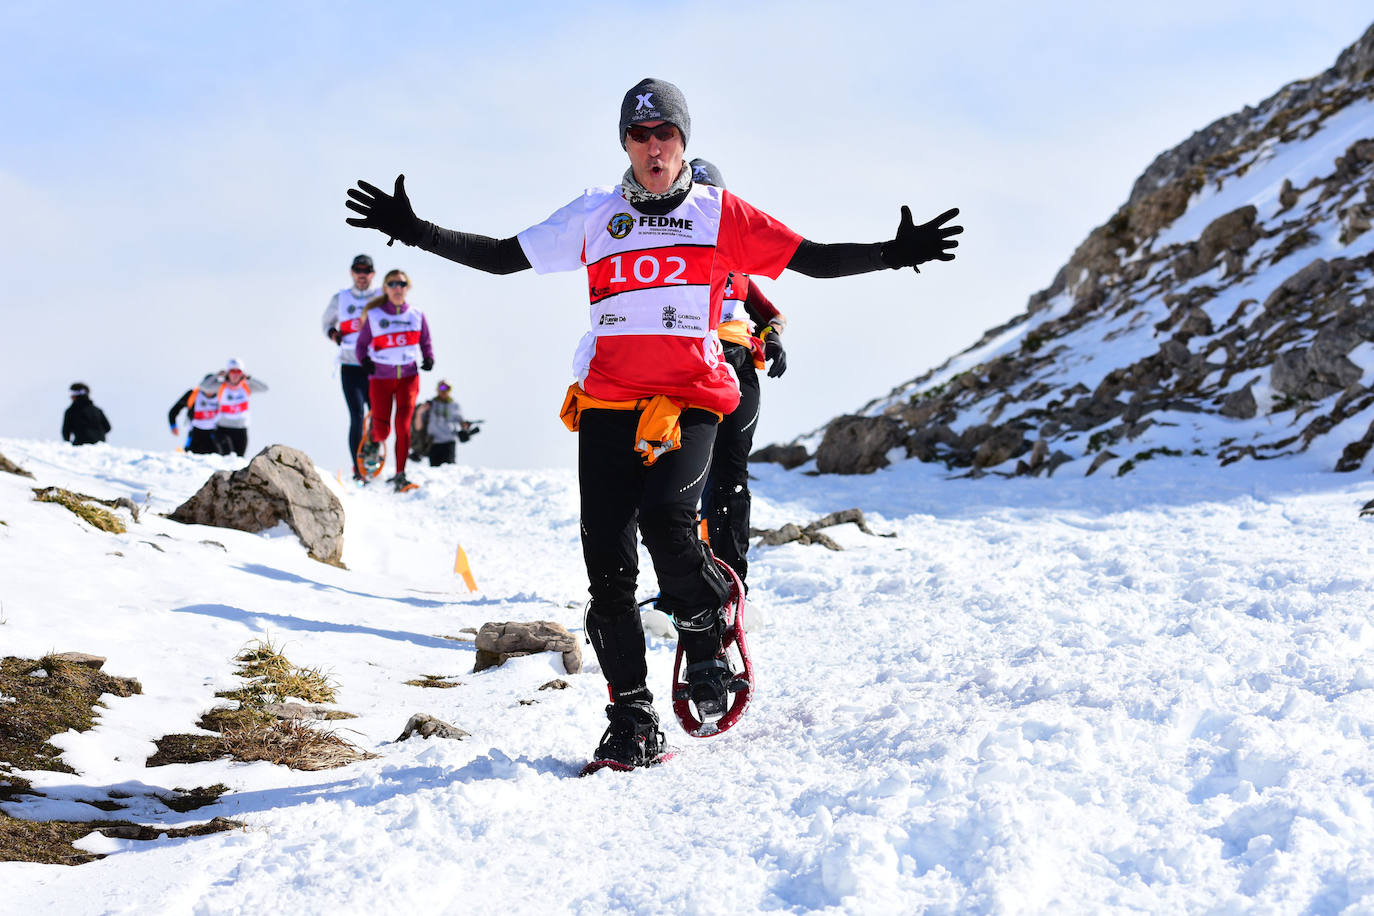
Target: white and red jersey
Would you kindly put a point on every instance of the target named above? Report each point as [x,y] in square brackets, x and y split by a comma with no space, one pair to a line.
[233,404]
[351,303]
[395,338]
[656,284]
[735,324]
[205,404]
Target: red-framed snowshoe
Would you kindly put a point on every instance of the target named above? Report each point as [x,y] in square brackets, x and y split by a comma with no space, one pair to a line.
[368,462]
[736,652]
[619,767]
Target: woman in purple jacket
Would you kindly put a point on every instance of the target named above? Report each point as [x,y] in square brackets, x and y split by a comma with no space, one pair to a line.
[393,346]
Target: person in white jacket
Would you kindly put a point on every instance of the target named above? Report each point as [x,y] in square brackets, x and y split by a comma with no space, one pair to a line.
[234,392]
[340,322]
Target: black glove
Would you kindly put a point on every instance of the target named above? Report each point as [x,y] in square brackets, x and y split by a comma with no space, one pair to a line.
[467,432]
[389,214]
[775,354]
[427,364]
[927,242]
[335,336]
[368,365]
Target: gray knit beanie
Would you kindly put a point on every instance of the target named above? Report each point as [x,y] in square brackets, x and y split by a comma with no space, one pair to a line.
[655,100]
[704,172]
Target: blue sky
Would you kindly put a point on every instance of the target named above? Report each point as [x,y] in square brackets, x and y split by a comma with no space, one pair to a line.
[174,177]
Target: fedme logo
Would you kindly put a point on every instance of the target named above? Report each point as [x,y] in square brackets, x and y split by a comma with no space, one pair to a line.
[620,225]
[665,222]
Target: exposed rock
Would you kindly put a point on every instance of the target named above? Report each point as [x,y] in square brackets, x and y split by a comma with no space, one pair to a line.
[1288,195]
[1315,277]
[857,445]
[1240,405]
[9,467]
[1002,445]
[278,485]
[497,642]
[1312,374]
[1355,221]
[427,726]
[82,659]
[1353,455]
[1055,461]
[811,534]
[789,456]
[1102,458]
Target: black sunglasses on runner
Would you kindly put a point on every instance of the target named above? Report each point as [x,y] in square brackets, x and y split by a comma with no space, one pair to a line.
[663,133]
[397,284]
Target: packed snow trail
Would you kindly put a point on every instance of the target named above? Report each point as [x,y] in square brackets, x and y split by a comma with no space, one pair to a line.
[1071,694]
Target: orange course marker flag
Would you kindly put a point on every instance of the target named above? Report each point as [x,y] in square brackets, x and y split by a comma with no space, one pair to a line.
[461,567]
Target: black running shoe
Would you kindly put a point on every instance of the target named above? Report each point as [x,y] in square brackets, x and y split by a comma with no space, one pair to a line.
[633,737]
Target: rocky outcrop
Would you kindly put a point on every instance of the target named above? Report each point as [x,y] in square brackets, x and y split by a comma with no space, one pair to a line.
[789,456]
[427,726]
[1256,319]
[278,486]
[496,643]
[857,445]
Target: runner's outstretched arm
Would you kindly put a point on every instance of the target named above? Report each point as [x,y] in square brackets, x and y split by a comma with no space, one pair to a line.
[392,215]
[913,245]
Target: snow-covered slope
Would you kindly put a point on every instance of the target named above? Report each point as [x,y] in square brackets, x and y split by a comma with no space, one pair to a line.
[1089,695]
[1223,311]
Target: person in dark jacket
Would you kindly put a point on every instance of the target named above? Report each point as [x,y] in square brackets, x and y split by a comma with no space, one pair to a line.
[83,423]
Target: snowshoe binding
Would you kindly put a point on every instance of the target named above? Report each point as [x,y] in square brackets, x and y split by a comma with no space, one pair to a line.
[710,696]
[631,741]
[371,457]
[401,485]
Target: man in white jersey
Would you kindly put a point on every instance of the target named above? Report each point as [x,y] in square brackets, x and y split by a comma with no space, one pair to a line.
[651,384]
[341,322]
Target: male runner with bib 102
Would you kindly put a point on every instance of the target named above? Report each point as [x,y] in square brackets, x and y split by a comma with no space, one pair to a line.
[651,383]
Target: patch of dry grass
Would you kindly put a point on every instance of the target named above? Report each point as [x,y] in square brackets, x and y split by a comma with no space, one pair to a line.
[45,697]
[273,679]
[50,697]
[89,509]
[250,731]
[433,680]
[50,842]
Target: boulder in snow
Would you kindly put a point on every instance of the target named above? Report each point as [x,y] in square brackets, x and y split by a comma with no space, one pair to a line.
[857,445]
[497,642]
[278,485]
[427,726]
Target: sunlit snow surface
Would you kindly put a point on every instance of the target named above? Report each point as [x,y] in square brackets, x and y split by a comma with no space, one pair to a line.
[1071,695]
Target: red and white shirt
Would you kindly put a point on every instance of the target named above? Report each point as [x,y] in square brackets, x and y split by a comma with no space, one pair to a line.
[351,304]
[655,285]
[233,405]
[395,338]
[205,404]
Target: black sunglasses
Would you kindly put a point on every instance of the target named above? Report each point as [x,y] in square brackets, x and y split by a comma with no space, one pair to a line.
[398,284]
[363,270]
[663,133]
